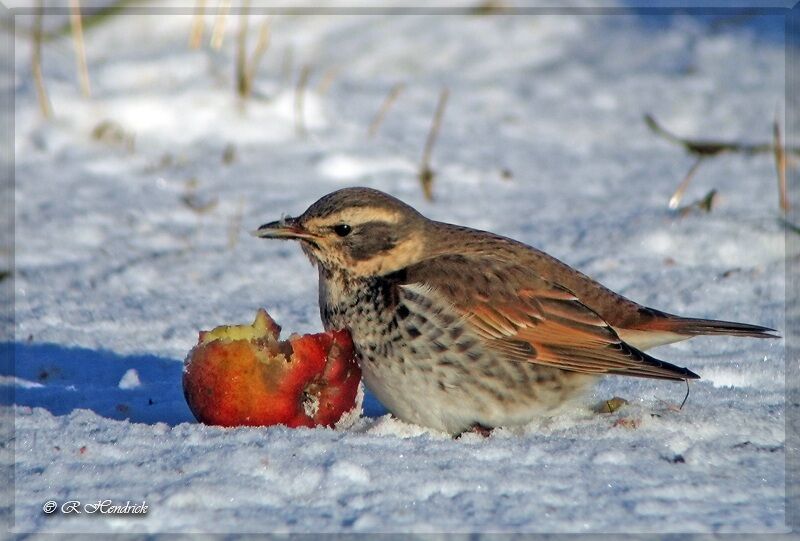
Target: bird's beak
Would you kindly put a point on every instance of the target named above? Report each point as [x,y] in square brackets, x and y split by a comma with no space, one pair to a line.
[285,228]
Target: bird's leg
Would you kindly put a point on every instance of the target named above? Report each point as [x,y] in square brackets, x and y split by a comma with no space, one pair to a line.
[477,428]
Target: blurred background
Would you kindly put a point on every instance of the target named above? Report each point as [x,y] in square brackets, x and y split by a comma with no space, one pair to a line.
[150,137]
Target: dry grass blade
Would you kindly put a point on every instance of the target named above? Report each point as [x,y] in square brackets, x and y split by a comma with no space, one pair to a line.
[235,225]
[246,70]
[489,7]
[327,79]
[656,128]
[707,148]
[198,25]
[36,63]
[229,154]
[198,205]
[299,101]
[241,51]
[780,165]
[391,97]
[426,174]
[287,65]
[194,201]
[98,15]
[676,198]
[705,204]
[218,32]
[80,49]
[261,47]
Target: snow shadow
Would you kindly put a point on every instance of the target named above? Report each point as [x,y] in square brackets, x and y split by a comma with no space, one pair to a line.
[139,388]
[372,408]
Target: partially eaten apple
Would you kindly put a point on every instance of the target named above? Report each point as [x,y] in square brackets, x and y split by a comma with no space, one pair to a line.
[243,375]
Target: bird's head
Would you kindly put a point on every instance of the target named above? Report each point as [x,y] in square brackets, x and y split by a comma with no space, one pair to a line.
[359,231]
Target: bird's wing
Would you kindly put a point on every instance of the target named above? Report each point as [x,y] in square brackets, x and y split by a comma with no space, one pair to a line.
[523,317]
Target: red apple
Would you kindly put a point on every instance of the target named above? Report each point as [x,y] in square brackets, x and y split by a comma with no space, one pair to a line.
[242,375]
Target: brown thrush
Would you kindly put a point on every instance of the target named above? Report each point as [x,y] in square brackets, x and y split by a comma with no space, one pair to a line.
[459,328]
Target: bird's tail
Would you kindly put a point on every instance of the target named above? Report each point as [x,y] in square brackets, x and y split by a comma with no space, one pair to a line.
[694,326]
[689,326]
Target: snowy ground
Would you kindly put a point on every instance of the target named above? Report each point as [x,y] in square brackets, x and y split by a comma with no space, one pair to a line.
[118,266]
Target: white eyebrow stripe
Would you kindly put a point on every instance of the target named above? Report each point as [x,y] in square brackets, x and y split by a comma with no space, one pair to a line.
[360,215]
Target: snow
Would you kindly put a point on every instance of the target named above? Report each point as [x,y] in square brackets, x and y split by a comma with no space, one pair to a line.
[130,380]
[127,245]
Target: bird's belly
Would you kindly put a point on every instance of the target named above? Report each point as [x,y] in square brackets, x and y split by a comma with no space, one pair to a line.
[437,374]
[452,390]
[489,398]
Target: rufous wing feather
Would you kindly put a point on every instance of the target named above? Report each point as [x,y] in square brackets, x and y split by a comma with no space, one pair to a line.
[529,319]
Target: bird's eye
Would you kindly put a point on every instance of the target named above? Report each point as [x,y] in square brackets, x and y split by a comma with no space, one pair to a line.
[342,230]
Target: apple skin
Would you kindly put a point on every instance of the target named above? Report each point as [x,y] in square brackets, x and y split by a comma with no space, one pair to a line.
[241,375]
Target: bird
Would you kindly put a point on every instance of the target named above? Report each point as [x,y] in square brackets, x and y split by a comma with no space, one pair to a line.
[458,329]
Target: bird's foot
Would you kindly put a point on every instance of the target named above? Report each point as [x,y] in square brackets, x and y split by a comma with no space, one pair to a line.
[477,428]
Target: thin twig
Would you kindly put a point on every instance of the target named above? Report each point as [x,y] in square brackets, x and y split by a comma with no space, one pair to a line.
[780,165]
[426,174]
[218,32]
[80,50]
[700,147]
[36,63]
[198,25]
[299,101]
[391,97]
[675,200]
